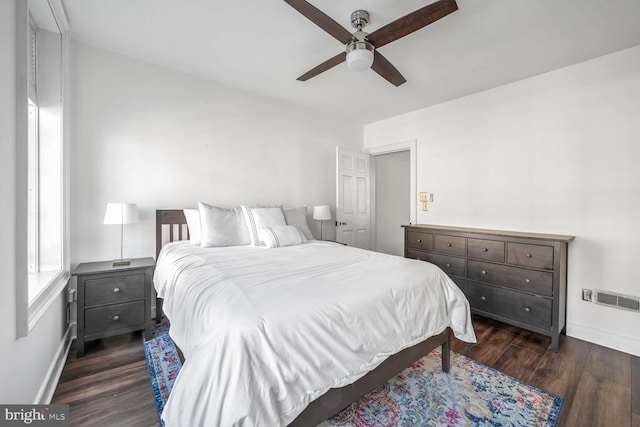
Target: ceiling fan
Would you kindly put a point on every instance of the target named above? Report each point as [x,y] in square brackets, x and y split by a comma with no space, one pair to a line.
[361,48]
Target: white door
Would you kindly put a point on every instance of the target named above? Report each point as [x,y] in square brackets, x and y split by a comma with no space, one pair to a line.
[353,204]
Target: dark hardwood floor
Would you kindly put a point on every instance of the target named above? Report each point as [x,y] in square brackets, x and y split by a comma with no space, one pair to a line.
[110,386]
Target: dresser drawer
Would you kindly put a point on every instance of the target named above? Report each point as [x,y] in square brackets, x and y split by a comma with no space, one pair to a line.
[537,282]
[451,265]
[490,250]
[418,240]
[114,317]
[450,244]
[114,289]
[420,256]
[535,256]
[524,308]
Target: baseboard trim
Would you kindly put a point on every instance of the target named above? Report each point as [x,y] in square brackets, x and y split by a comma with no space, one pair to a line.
[48,387]
[605,338]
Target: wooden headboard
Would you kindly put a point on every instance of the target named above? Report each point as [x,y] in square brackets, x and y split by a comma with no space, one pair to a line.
[173,221]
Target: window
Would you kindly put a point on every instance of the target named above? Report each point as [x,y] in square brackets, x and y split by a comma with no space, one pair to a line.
[44,226]
[41,166]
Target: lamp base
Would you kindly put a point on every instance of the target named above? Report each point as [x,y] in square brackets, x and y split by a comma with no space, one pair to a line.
[121,262]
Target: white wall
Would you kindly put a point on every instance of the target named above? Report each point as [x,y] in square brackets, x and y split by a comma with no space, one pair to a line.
[162,139]
[24,362]
[391,201]
[556,153]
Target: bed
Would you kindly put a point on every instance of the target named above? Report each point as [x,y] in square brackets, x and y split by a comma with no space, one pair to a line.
[206,391]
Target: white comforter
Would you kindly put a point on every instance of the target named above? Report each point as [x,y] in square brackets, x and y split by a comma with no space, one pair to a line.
[266,331]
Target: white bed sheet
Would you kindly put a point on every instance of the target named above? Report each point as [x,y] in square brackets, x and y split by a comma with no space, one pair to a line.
[266,331]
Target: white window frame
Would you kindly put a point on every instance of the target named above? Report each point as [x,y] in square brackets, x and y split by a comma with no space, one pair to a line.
[28,313]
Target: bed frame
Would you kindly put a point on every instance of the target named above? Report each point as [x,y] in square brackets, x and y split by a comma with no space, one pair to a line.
[336,399]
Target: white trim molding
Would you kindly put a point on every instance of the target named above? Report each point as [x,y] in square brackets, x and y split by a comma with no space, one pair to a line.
[412,147]
[50,382]
[606,338]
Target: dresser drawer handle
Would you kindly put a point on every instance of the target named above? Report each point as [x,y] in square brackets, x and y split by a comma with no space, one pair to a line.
[448,265]
[484,272]
[449,244]
[419,240]
[527,280]
[116,290]
[483,298]
[116,318]
[485,250]
[527,309]
[529,255]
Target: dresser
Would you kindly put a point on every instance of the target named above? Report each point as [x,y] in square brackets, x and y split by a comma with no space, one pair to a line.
[113,300]
[514,277]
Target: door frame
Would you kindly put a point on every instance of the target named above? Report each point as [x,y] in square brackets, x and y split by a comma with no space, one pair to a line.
[411,146]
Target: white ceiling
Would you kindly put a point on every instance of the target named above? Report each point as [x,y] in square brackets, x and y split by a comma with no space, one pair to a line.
[262,46]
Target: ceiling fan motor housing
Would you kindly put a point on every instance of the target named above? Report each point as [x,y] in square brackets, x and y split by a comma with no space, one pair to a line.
[359,19]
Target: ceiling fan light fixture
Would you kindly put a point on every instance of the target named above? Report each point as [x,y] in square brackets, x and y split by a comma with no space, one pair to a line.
[359,55]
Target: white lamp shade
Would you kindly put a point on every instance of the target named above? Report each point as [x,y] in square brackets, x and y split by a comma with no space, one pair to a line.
[322,212]
[121,213]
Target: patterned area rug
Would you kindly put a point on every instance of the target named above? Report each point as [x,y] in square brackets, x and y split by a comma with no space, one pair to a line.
[471,394]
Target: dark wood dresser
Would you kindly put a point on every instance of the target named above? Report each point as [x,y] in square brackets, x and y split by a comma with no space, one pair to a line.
[113,300]
[514,277]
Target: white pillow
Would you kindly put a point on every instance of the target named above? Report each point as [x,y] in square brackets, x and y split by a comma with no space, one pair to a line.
[281,235]
[193,224]
[257,217]
[222,227]
[298,217]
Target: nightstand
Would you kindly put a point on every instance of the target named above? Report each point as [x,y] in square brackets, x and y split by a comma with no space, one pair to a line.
[113,300]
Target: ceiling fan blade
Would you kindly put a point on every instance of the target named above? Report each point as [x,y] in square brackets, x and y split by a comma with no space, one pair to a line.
[412,22]
[326,65]
[387,71]
[322,20]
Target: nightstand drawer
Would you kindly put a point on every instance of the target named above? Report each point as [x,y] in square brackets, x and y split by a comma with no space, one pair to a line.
[114,289]
[114,317]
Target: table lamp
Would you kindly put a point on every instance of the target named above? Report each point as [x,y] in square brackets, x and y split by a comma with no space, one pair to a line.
[121,213]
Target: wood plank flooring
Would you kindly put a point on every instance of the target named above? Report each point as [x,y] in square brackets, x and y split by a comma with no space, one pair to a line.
[110,386]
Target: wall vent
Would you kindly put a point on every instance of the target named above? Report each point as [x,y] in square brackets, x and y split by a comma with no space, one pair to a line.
[612,299]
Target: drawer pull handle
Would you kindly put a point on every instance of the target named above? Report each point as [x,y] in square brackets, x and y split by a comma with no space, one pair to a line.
[448,265]
[484,272]
[116,318]
[116,290]
[527,309]
[419,240]
[483,298]
[527,280]
[529,255]
[485,250]
[449,244]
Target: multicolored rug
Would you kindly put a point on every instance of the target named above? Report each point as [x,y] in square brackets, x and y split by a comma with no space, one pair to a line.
[471,394]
